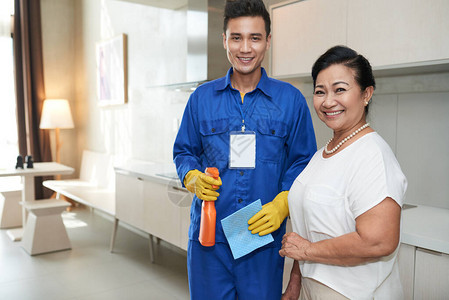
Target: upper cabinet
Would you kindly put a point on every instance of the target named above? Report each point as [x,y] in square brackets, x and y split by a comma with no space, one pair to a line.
[393,35]
[301,31]
[399,32]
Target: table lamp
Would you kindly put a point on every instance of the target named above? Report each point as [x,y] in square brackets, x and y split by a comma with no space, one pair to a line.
[56,115]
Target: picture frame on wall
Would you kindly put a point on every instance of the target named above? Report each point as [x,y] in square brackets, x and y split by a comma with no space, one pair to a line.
[112,81]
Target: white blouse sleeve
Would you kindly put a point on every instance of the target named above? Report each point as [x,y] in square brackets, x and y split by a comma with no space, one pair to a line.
[376,175]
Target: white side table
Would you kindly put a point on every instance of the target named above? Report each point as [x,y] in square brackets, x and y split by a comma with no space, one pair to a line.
[10,209]
[39,169]
[45,231]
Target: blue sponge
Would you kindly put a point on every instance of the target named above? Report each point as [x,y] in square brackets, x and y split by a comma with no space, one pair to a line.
[235,228]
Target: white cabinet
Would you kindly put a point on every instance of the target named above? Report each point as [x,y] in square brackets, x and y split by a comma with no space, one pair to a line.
[423,256]
[391,34]
[431,275]
[129,199]
[185,224]
[424,273]
[400,32]
[302,31]
[162,217]
[406,262]
[158,207]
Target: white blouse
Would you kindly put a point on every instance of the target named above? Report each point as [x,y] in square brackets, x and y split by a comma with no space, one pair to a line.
[330,194]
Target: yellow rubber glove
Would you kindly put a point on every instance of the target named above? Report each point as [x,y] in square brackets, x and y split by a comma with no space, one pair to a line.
[271,216]
[201,185]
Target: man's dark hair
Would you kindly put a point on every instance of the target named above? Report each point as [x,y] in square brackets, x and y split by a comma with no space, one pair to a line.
[246,8]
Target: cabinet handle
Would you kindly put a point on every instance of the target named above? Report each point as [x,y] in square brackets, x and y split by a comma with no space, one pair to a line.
[139,178]
[179,189]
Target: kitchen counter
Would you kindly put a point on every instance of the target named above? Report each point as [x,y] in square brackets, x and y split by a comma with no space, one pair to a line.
[160,173]
[149,197]
[426,227]
[422,226]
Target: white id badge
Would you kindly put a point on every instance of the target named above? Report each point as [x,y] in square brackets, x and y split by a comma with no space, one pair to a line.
[242,152]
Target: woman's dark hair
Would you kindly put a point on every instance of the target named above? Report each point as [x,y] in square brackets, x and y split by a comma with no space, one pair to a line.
[349,58]
[246,8]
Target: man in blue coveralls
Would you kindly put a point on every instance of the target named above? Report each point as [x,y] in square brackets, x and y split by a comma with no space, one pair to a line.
[258,132]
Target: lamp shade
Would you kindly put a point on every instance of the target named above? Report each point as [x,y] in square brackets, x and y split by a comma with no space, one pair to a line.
[56,114]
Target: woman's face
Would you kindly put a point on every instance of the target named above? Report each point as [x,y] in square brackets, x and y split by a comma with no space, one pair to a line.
[338,100]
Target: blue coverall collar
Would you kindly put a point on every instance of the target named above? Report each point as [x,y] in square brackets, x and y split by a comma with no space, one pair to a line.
[262,85]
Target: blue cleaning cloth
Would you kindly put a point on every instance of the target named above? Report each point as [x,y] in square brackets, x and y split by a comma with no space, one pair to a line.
[240,239]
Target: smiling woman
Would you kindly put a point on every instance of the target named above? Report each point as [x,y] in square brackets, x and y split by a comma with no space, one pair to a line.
[345,206]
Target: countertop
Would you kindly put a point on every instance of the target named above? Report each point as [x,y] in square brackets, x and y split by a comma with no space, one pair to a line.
[426,227]
[422,226]
[161,173]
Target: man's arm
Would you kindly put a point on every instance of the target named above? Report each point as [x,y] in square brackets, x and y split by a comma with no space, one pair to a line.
[187,147]
[301,143]
[301,146]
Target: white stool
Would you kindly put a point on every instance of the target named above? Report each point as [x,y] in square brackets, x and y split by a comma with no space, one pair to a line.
[10,209]
[44,231]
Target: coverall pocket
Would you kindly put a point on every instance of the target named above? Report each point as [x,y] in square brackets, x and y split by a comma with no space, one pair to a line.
[215,139]
[271,140]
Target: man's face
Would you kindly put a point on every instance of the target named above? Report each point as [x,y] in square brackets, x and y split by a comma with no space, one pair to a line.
[245,42]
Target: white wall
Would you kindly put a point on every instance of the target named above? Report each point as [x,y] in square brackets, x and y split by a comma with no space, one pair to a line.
[145,127]
[408,111]
[58,24]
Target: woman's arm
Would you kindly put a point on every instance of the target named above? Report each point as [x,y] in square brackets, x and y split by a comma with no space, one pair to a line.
[377,234]
[294,284]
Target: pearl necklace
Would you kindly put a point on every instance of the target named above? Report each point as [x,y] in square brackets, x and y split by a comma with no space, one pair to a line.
[344,140]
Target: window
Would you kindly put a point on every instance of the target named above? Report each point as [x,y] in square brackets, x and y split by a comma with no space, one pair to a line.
[8,135]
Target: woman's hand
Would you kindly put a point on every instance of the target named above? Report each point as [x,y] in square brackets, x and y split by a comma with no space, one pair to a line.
[294,246]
